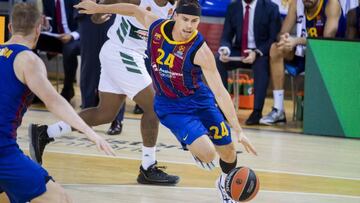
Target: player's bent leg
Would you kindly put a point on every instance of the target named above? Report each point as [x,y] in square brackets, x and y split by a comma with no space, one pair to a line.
[38,139]
[54,194]
[106,111]
[203,149]
[227,162]
[203,152]
[149,172]
[22,179]
[277,66]
[227,152]
[149,120]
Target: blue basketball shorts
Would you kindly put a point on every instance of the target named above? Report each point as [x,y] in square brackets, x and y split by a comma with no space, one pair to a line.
[295,66]
[20,178]
[192,118]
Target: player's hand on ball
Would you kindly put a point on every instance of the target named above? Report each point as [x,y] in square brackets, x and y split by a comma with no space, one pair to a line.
[87,7]
[245,142]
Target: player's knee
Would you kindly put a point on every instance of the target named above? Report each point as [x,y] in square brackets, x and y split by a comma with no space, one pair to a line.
[208,156]
[151,117]
[275,52]
[206,163]
[228,155]
[148,108]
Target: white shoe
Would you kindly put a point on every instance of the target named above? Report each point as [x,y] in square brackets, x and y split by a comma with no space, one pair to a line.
[275,116]
[220,186]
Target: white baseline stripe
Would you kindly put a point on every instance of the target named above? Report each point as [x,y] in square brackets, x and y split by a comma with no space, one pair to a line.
[202,188]
[187,163]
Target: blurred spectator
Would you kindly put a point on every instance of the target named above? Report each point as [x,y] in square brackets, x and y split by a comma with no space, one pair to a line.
[353,23]
[62,36]
[255,25]
[313,18]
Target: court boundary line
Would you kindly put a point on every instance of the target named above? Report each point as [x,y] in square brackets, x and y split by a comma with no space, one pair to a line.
[247,128]
[205,188]
[185,163]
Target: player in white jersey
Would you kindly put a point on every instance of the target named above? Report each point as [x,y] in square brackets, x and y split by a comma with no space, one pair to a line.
[123,73]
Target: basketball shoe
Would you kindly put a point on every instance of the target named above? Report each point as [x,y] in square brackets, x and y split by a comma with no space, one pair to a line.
[275,116]
[38,139]
[115,128]
[154,175]
[220,186]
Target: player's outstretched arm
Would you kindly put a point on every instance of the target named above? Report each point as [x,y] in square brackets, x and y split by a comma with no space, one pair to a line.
[100,18]
[30,70]
[145,17]
[136,2]
[205,59]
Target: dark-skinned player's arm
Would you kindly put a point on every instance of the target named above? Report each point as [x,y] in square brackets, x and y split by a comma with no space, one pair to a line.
[205,59]
[100,18]
[146,18]
[351,30]
[333,13]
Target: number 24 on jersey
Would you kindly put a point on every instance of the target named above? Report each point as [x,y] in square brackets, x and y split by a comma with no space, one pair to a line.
[169,61]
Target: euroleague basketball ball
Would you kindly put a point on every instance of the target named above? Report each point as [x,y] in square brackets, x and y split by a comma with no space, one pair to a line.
[242,184]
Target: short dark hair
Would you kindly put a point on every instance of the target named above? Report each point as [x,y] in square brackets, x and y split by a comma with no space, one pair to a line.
[24,18]
[189,7]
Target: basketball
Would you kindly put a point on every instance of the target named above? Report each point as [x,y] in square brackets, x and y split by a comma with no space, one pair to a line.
[242,184]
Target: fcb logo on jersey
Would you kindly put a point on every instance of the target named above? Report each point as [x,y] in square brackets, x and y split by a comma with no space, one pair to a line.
[180,51]
[157,36]
[182,48]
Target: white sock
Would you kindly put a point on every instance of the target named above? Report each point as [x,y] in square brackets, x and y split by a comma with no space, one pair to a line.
[58,129]
[148,156]
[278,99]
[222,179]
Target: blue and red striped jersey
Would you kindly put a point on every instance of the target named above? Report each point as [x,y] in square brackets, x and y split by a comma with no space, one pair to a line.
[15,97]
[172,69]
[315,25]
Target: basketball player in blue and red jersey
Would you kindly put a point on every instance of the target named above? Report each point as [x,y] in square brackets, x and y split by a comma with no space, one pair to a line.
[184,104]
[312,18]
[22,73]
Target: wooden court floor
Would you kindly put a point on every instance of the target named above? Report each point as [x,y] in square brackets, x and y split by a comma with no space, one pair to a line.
[292,167]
